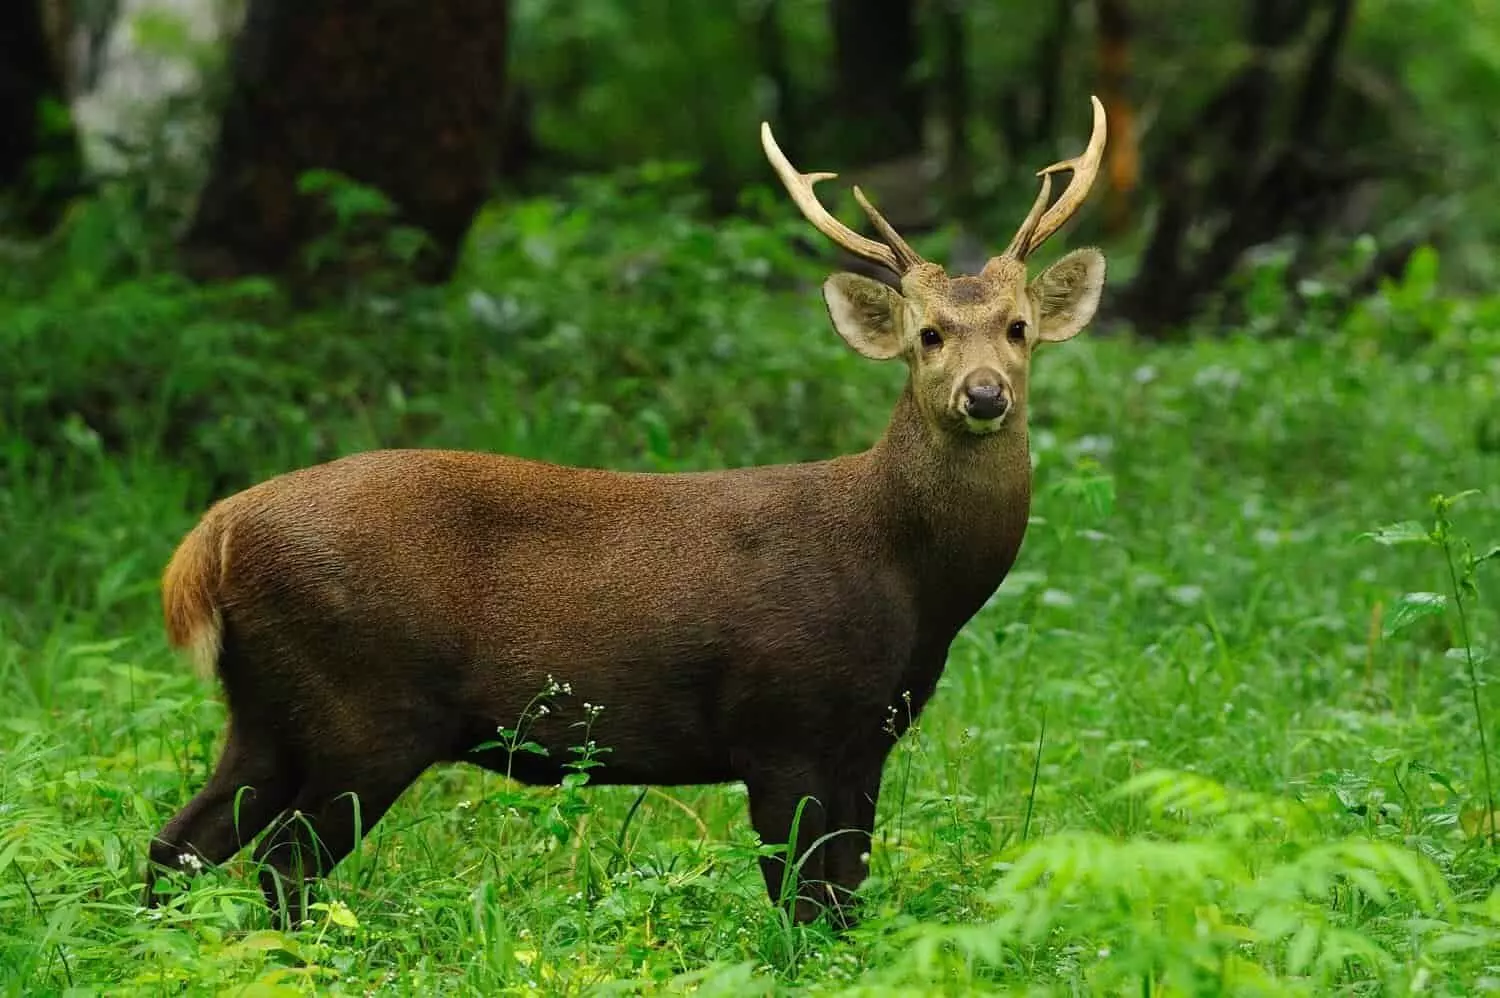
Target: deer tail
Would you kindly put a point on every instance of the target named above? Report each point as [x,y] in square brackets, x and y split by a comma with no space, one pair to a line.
[189,594]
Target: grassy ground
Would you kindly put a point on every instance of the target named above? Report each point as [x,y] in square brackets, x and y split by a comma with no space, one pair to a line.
[1175,755]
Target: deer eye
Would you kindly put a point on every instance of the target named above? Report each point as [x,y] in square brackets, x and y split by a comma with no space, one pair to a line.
[931,338]
[1017,330]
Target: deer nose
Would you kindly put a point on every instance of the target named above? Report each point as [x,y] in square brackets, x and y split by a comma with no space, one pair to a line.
[985,401]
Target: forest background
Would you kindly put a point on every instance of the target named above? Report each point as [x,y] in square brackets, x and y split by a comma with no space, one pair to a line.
[1225,730]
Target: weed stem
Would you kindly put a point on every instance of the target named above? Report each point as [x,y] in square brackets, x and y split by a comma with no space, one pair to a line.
[1484,750]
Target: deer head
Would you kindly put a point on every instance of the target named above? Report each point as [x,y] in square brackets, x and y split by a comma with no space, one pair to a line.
[967,340]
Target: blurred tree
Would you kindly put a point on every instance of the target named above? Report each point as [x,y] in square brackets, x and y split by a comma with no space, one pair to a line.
[1261,158]
[40,164]
[1028,102]
[953,95]
[774,61]
[403,97]
[1246,135]
[622,85]
[879,97]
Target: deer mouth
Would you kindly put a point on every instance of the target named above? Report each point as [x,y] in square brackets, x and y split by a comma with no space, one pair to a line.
[984,427]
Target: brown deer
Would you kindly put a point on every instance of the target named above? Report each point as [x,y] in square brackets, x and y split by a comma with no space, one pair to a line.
[781,625]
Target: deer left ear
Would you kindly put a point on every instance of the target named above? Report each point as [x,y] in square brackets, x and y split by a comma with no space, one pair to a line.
[1066,294]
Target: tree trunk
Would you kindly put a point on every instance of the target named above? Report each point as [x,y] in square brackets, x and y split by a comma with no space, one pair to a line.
[880,106]
[407,98]
[39,157]
[954,91]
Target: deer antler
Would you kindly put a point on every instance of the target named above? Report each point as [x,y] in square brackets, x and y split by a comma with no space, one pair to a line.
[1020,247]
[1038,227]
[894,253]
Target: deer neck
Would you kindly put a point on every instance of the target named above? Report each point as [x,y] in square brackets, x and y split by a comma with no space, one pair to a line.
[956,507]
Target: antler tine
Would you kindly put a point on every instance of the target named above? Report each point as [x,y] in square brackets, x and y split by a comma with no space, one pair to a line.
[905,255]
[1085,169]
[1018,244]
[800,187]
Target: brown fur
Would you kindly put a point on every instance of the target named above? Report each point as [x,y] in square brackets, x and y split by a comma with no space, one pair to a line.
[374,615]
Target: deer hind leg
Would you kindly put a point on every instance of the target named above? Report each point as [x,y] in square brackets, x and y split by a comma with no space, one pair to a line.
[328,818]
[776,793]
[250,786]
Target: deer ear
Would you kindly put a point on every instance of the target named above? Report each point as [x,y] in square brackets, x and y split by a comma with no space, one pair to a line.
[1067,293]
[866,313]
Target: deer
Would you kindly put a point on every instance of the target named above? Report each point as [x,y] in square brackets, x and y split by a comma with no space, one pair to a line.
[780,626]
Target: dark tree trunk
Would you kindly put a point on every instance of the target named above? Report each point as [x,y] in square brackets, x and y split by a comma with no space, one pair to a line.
[518,142]
[880,106]
[40,162]
[1051,68]
[405,97]
[954,89]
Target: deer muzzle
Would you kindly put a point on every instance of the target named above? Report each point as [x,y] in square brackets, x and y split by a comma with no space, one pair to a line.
[985,398]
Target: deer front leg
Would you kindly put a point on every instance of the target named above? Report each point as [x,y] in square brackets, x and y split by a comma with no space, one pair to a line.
[776,793]
[852,820]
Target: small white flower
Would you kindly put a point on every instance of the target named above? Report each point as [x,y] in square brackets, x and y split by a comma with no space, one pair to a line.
[1057,597]
[190,861]
[1185,595]
[1094,444]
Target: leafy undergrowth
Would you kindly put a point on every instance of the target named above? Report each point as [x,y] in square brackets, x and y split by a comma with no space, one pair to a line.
[1209,738]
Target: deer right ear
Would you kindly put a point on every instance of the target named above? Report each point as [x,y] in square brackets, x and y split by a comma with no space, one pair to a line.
[866,313]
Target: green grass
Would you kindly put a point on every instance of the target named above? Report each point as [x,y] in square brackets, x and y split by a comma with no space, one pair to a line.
[1175,755]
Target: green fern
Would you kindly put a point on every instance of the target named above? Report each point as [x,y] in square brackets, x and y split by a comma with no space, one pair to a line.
[1229,893]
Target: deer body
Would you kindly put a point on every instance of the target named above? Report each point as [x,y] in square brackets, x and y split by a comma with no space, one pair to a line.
[380,613]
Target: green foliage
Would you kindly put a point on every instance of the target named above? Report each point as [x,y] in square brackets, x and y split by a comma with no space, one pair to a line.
[621,83]
[1237,893]
[1179,753]
[362,240]
[1463,566]
[611,83]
